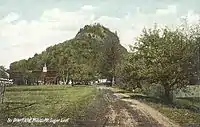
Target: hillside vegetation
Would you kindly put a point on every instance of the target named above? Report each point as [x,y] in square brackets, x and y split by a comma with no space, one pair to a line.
[93,53]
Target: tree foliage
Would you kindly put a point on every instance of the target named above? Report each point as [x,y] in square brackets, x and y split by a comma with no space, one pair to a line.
[3,73]
[161,56]
[93,53]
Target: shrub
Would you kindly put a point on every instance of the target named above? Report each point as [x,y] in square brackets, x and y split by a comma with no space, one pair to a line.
[154,90]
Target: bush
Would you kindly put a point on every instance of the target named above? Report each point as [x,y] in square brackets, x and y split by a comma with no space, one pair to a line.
[154,90]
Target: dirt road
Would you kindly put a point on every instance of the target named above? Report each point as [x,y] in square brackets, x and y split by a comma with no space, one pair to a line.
[121,112]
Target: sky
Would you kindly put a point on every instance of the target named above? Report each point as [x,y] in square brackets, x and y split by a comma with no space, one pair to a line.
[30,26]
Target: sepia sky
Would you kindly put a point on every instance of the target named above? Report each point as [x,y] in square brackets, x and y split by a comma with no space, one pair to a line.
[30,26]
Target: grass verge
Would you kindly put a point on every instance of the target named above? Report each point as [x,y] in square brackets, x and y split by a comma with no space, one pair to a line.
[182,116]
[184,111]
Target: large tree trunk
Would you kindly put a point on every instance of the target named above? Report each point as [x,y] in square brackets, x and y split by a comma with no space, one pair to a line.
[72,82]
[168,97]
[68,79]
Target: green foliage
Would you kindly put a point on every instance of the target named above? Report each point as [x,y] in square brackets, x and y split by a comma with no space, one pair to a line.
[3,73]
[128,70]
[161,56]
[153,90]
[189,91]
[93,53]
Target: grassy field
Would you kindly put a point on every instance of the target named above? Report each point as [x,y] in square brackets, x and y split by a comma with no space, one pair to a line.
[46,101]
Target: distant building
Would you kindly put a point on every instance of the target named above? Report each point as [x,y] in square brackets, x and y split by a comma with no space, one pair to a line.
[43,76]
[102,80]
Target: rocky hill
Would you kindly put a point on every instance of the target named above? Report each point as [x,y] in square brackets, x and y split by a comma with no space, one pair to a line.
[93,52]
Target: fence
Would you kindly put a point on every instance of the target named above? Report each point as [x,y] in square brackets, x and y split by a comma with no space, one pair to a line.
[2,91]
[3,84]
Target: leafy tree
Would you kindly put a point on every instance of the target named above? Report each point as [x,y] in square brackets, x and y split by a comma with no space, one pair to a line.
[161,56]
[128,71]
[167,55]
[3,73]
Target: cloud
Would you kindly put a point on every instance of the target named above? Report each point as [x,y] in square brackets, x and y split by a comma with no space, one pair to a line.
[10,17]
[111,22]
[88,8]
[171,9]
[192,17]
[58,19]
[22,38]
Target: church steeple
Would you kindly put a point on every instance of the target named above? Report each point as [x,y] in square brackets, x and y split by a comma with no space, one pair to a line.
[45,68]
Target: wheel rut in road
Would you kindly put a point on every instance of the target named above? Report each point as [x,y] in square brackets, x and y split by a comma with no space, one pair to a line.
[122,114]
[110,109]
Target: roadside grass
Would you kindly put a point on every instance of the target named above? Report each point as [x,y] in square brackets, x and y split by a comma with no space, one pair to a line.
[181,111]
[184,110]
[46,101]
